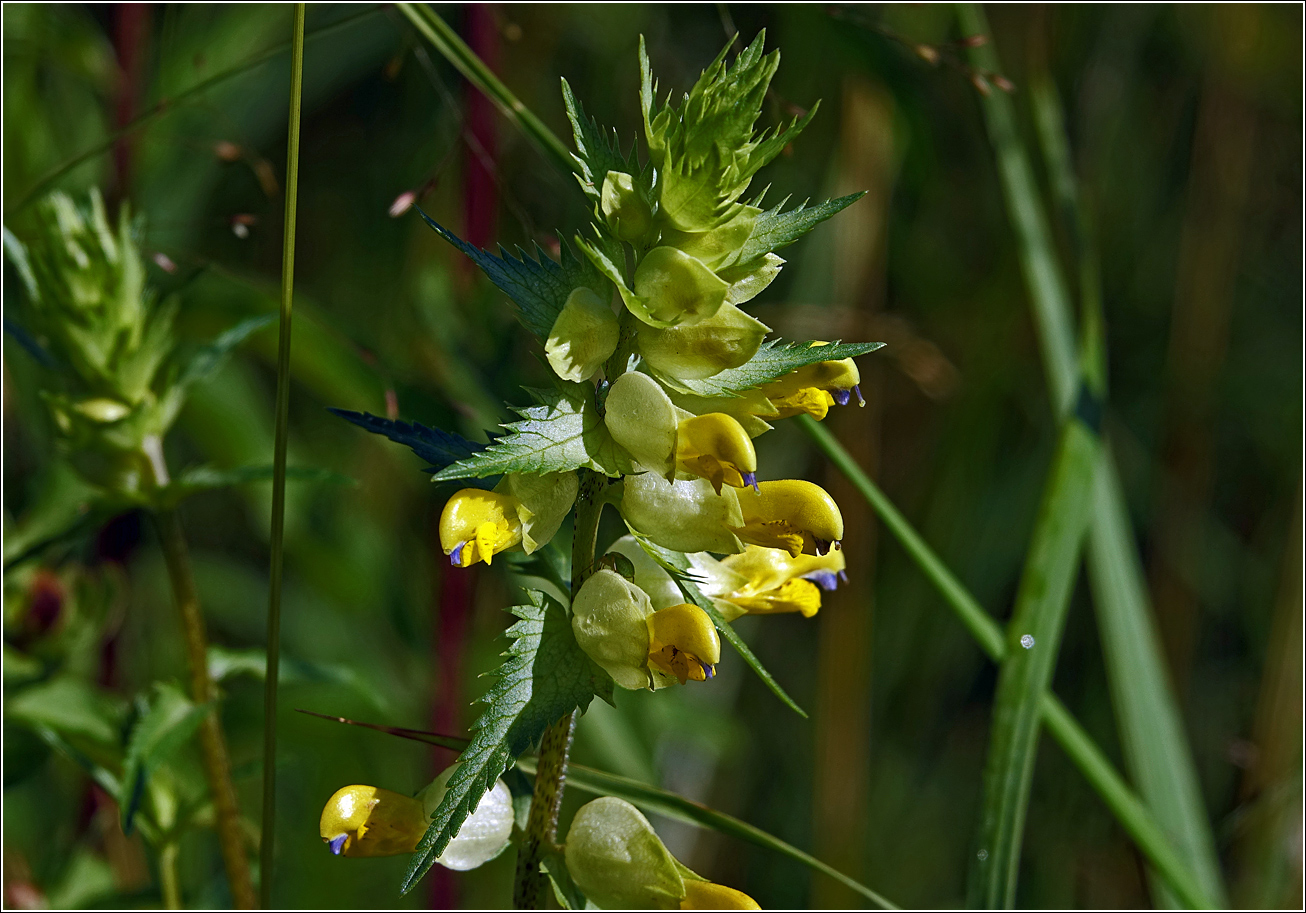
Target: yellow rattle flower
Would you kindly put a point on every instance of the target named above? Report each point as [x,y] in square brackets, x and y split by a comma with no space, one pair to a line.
[792,514]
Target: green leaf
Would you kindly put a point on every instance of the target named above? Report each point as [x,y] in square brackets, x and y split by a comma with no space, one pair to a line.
[224,663]
[598,150]
[1033,642]
[545,677]
[206,362]
[773,360]
[539,287]
[670,805]
[775,229]
[438,447]
[678,566]
[170,718]
[563,432]
[69,706]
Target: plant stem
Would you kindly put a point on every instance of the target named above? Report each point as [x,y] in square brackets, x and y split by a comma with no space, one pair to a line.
[531,889]
[267,844]
[1129,810]
[217,766]
[168,884]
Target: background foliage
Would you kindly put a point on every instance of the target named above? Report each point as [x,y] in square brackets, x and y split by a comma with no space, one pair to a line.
[1185,129]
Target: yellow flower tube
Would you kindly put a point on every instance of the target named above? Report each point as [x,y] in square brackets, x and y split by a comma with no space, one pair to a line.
[792,514]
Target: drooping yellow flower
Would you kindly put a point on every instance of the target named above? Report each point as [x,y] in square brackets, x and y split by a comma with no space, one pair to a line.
[717,448]
[367,821]
[615,624]
[683,642]
[476,525]
[814,388]
[708,895]
[774,581]
[792,514]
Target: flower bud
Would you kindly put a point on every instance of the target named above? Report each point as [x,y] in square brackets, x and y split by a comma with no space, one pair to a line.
[476,525]
[676,288]
[683,642]
[641,418]
[748,280]
[542,502]
[584,335]
[792,514]
[714,246]
[617,860]
[685,516]
[727,339]
[625,210]
[608,617]
[484,834]
[715,447]
[649,576]
[367,821]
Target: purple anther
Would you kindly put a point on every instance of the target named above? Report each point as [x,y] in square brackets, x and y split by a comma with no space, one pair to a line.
[750,479]
[840,396]
[858,390]
[825,579]
[338,844]
[456,556]
[708,669]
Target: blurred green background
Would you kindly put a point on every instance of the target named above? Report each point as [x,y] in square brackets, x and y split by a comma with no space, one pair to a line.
[1185,124]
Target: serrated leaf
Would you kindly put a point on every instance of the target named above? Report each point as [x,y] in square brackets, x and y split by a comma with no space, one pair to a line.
[773,360]
[598,150]
[170,719]
[539,287]
[205,363]
[545,677]
[678,566]
[438,447]
[564,431]
[775,229]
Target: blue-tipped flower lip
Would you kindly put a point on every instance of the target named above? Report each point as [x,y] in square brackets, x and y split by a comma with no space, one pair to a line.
[840,396]
[708,669]
[827,580]
[750,480]
[456,556]
[337,844]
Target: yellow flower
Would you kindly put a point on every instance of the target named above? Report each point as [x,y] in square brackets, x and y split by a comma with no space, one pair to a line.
[792,514]
[615,624]
[773,581]
[707,895]
[814,388]
[476,525]
[524,509]
[717,448]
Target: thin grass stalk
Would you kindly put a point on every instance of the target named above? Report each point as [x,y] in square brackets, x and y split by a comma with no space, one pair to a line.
[1129,810]
[167,106]
[267,844]
[1151,729]
[169,886]
[455,50]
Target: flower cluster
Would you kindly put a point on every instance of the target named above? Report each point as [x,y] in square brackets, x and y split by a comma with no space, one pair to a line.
[662,383]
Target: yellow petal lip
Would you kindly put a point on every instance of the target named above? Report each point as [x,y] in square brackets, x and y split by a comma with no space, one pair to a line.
[476,525]
[707,895]
[683,642]
[717,448]
[792,514]
[360,821]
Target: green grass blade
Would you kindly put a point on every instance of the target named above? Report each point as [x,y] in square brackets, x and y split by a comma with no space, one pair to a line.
[1133,815]
[455,50]
[268,839]
[1033,642]
[671,805]
[1151,730]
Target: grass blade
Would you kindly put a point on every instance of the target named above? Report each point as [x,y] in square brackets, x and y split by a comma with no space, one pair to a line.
[1034,640]
[1151,729]
[1133,815]
[455,50]
[267,844]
